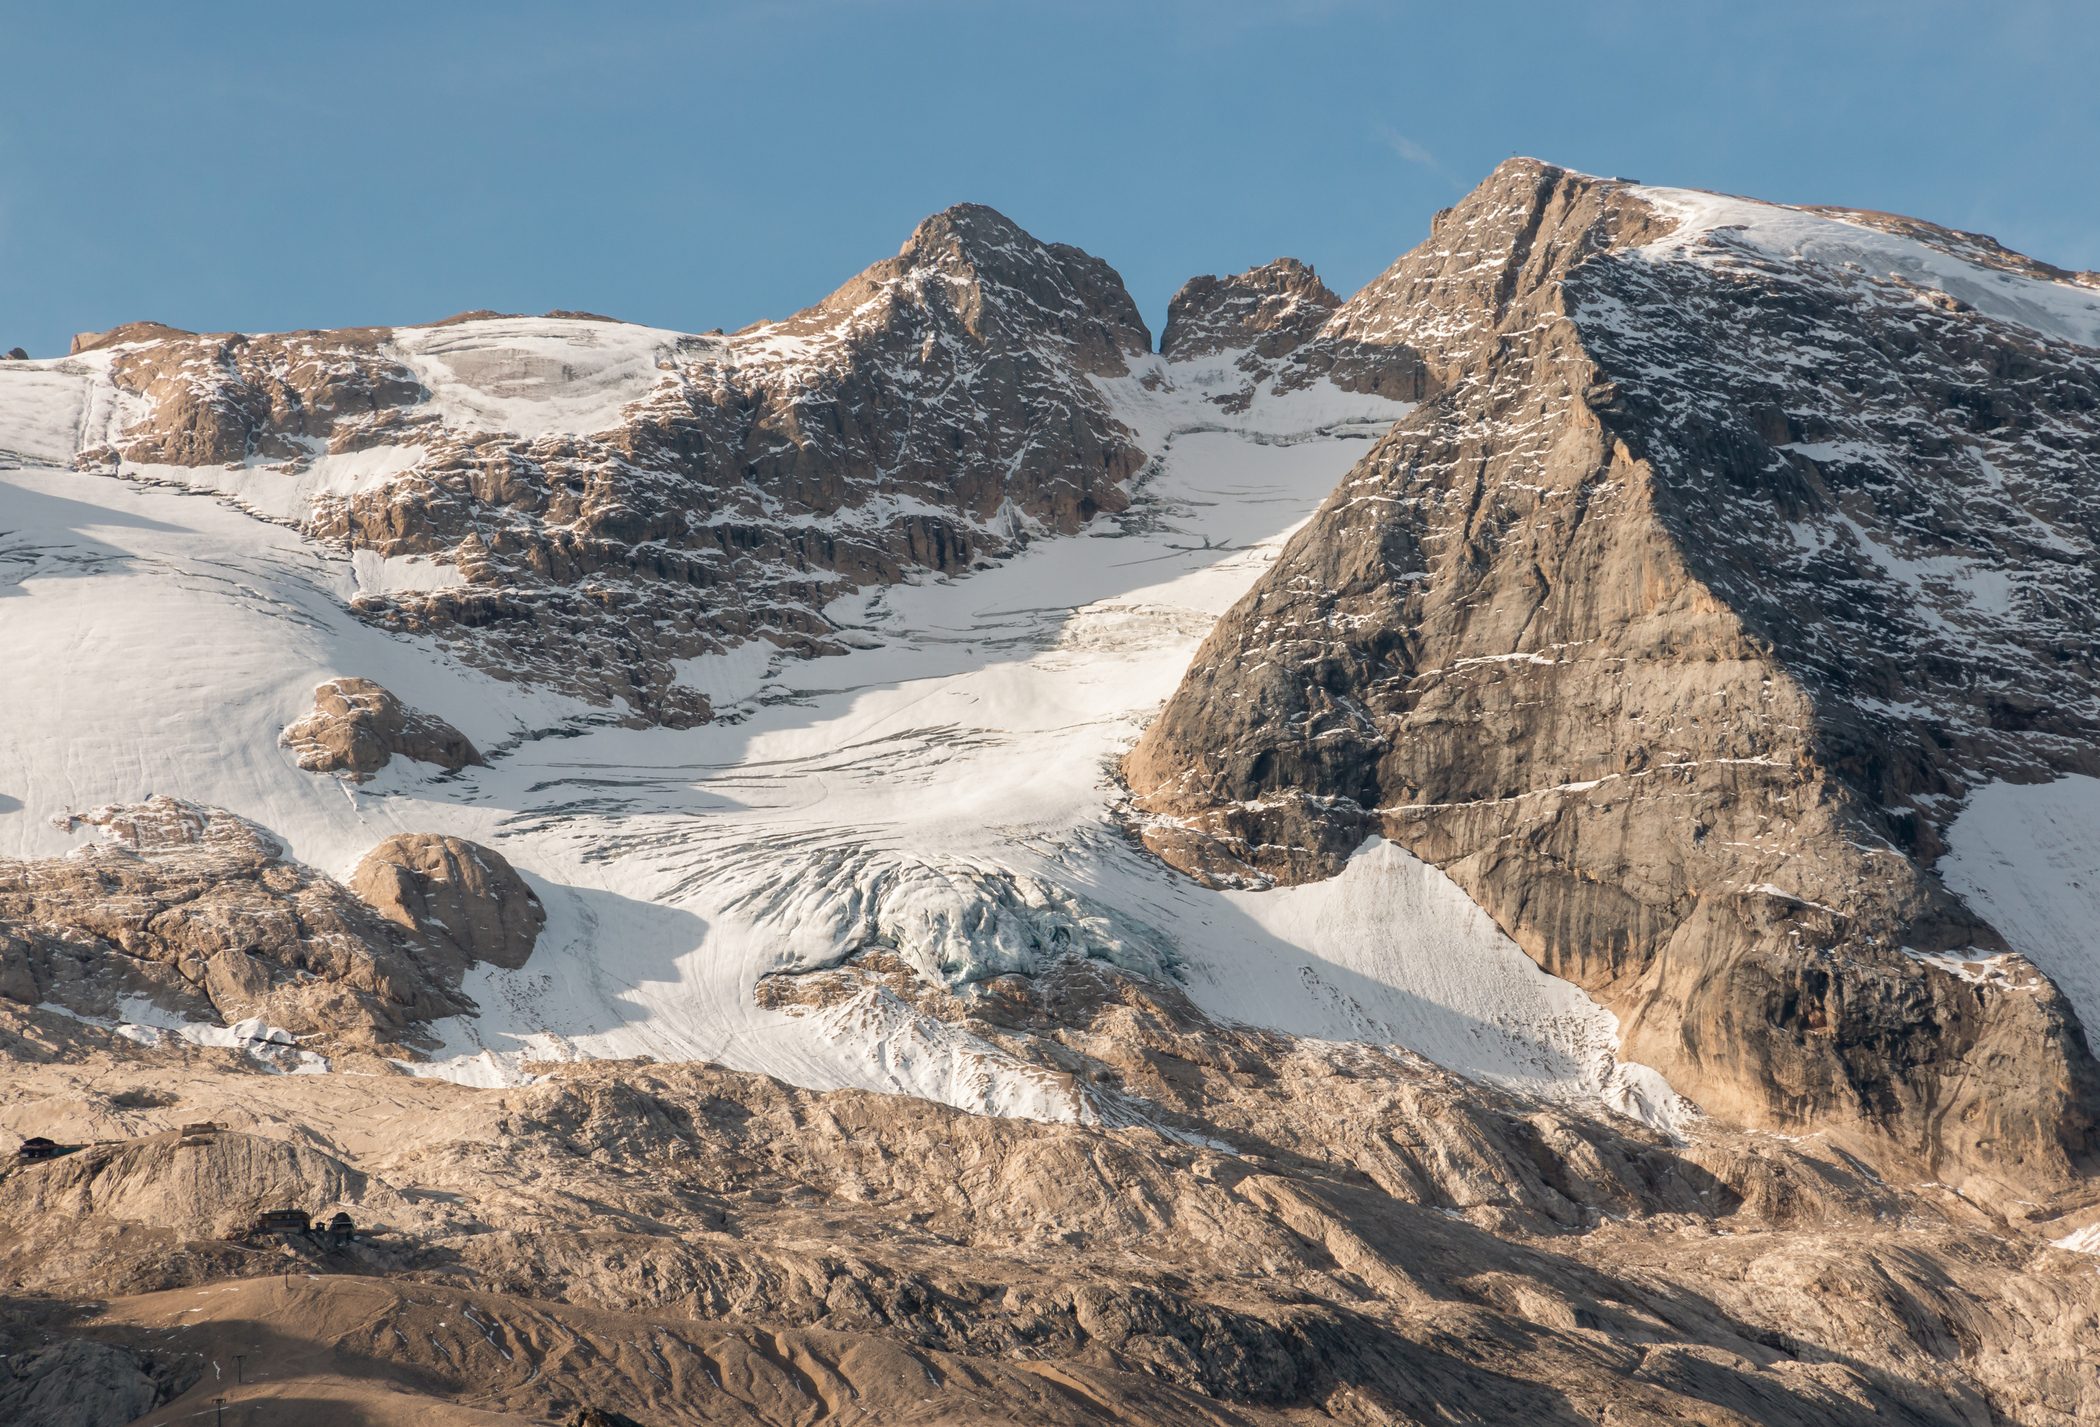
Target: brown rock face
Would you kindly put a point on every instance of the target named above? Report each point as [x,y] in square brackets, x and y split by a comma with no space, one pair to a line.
[1284,330]
[202,913]
[1269,311]
[223,398]
[1269,1233]
[77,1382]
[1624,630]
[213,1185]
[454,895]
[935,412]
[357,726]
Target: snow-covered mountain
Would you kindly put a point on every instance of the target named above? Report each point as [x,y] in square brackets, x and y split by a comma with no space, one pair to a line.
[1320,796]
[585,503]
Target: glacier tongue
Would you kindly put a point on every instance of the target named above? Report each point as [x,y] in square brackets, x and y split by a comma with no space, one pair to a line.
[953,920]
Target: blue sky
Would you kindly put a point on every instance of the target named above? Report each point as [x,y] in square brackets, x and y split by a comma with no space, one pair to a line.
[263,167]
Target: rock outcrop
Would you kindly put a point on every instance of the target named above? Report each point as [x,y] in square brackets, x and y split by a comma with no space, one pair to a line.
[356,727]
[209,1185]
[1283,330]
[224,398]
[460,899]
[78,1382]
[201,914]
[1673,626]
[1266,312]
[1333,1233]
[605,500]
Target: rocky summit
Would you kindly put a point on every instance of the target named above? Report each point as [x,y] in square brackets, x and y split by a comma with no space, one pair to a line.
[1519,845]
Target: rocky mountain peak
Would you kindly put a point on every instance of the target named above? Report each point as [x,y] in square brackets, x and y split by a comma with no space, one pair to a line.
[1002,285]
[1678,623]
[1271,310]
[601,501]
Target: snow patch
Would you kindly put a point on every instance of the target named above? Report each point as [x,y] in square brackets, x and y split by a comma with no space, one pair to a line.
[534,376]
[734,676]
[273,1047]
[2026,858]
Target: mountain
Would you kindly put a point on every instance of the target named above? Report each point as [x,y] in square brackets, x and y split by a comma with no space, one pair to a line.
[1735,548]
[585,503]
[1516,845]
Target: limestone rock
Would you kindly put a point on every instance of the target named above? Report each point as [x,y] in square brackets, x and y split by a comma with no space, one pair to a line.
[460,898]
[1269,311]
[201,912]
[203,1186]
[78,1382]
[219,399]
[356,726]
[1317,1232]
[1284,330]
[1627,629]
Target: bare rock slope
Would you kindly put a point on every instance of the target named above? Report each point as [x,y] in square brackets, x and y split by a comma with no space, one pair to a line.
[1323,1233]
[1729,550]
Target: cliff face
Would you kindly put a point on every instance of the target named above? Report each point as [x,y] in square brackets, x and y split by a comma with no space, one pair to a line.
[1731,547]
[599,500]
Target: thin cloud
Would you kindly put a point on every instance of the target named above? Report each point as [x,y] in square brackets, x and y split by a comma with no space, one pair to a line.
[1408,149]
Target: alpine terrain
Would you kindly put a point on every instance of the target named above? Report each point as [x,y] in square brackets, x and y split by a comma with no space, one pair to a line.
[1519,846]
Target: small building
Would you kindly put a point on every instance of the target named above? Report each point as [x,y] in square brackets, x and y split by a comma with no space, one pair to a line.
[284,1221]
[200,1128]
[340,1230]
[36,1147]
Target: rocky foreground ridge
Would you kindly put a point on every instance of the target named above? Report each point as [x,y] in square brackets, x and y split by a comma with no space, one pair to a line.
[1716,568]
[1312,1232]
[191,915]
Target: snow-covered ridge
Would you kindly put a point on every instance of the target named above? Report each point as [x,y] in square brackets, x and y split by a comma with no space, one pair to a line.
[586,504]
[1711,225]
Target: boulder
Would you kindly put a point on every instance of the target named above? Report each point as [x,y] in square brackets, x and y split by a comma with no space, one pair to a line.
[357,727]
[464,901]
